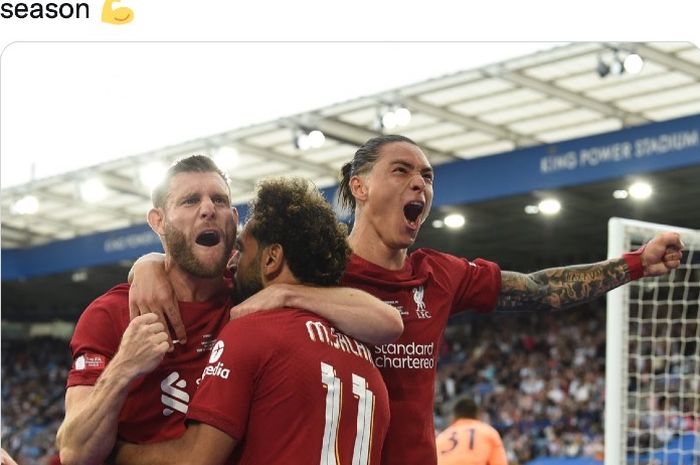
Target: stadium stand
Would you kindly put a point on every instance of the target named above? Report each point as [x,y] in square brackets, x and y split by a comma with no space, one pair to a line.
[33,384]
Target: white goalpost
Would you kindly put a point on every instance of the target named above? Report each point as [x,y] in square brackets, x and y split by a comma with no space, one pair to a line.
[652,373]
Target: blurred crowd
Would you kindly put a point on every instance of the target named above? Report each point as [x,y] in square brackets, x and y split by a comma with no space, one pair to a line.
[33,384]
[539,378]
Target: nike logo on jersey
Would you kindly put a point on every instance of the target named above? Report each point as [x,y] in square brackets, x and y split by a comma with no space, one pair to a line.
[173,396]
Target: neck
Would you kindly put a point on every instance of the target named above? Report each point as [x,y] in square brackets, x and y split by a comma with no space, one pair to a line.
[190,288]
[368,244]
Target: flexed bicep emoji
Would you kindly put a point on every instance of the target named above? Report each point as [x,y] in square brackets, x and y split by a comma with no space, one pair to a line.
[121,15]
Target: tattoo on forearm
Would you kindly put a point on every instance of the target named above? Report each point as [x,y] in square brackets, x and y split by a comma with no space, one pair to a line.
[558,288]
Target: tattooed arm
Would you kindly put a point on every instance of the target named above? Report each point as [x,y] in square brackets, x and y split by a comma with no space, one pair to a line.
[558,288]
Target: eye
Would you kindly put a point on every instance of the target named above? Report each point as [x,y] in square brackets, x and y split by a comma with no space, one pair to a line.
[401,169]
[428,177]
[190,200]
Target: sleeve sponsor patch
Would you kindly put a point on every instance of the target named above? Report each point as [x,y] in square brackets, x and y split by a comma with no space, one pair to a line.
[90,361]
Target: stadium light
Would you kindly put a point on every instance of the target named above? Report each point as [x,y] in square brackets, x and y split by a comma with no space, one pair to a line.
[532,209]
[633,64]
[305,140]
[393,116]
[227,157]
[152,174]
[438,224]
[27,205]
[549,206]
[640,190]
[93,190]
[316,139]
[454,221]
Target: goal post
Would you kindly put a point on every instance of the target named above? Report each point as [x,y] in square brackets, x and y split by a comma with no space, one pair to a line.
[652,372]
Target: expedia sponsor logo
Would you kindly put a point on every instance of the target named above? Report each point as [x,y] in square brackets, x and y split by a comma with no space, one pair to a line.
[412,356]
[215,370]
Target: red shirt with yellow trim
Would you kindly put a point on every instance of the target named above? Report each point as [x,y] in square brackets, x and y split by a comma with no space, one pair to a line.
[293,390]
[431,286]
[156,405]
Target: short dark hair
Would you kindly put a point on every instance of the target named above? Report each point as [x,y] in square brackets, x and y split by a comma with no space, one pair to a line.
[465,408]
[362,162]
[291,211]
[190,164]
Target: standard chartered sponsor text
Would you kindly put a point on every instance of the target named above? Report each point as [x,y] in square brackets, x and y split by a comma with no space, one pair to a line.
[411,355]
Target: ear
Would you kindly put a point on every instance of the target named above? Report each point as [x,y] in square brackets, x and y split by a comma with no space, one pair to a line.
[156,219]
[358,187]
[234,210]
[272,261]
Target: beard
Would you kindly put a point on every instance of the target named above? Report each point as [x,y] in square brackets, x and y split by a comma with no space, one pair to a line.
[248,281]
[185,258]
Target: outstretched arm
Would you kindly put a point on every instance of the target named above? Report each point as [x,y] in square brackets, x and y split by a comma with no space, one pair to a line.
[89,429]
[200,445]
[352,311]
[558,288]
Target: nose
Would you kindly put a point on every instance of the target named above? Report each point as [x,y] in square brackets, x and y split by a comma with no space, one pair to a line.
[207,208]
[232,264]
[418,182]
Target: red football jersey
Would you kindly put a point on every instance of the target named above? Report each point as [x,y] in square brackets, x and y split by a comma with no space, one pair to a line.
[157,402]
[431,287]
[292,389]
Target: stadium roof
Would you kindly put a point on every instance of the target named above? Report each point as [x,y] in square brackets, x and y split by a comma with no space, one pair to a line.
[550,96]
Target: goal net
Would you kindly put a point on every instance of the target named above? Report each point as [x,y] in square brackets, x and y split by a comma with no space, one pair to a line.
[652,407]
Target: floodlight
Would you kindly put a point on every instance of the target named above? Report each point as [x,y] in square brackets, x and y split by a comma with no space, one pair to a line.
[633,63]
[316,138]
[27,205]
[620,194]
[640,190]
[403,116]
[549,206]
[152,174]
[454,221]
[93,190]
[226,157]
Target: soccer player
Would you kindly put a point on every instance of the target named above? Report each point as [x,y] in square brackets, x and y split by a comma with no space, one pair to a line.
[468,440]
[389,185]
[283,386]
[107,391]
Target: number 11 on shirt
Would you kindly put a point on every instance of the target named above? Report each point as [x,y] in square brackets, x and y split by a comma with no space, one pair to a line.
[365,412]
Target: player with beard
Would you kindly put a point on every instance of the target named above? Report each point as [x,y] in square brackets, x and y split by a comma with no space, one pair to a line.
[109,392]
[389,185]
[282,386]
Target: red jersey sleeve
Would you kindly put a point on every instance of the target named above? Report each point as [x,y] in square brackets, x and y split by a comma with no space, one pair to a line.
[226,390]
[477,284]
[97,336]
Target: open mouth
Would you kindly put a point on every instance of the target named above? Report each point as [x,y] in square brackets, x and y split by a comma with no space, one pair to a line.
[412,211]
[208,238]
